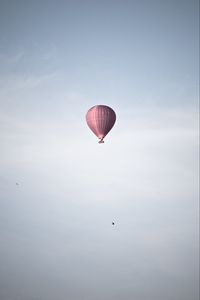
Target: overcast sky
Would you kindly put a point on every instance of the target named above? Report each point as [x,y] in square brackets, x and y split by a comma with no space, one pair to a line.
[57,59]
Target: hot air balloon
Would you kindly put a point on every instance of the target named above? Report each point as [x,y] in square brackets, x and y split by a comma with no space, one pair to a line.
[100,119]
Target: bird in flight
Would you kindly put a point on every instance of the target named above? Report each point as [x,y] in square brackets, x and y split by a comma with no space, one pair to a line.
[113,223]
[17,183]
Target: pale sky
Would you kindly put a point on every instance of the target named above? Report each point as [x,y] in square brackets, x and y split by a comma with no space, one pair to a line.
[57,59]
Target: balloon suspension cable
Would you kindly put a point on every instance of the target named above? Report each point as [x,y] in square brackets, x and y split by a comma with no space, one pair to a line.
[101,141]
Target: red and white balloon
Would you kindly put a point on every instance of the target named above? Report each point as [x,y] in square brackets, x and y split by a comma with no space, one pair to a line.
[100,119]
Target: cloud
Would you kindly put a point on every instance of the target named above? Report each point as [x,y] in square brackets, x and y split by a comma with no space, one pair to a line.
[11,59]
[149,155]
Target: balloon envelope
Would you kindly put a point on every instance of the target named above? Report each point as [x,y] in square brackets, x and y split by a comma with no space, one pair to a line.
[100,119]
